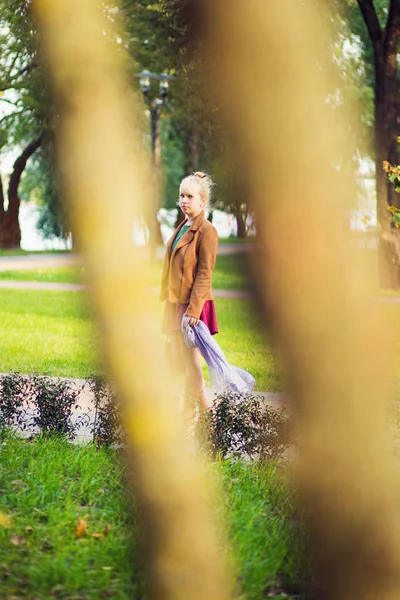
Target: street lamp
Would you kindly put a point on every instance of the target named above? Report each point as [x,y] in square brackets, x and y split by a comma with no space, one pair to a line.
[154,102]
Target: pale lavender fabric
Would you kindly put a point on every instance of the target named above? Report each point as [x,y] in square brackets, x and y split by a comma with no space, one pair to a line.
[223,375]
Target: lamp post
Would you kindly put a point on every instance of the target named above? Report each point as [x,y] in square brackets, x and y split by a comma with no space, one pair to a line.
[154,102]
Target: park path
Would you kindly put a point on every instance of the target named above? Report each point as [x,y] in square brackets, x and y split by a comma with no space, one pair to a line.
[67,259]
[48,261]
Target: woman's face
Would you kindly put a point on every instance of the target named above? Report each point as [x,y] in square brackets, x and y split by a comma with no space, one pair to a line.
[190,202]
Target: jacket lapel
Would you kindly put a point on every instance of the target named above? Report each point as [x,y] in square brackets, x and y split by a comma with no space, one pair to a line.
[171,239]
[189,235]
[185,239]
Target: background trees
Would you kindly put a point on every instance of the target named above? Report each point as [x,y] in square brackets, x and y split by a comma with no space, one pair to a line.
[376,26]
[27,118]
[160,36]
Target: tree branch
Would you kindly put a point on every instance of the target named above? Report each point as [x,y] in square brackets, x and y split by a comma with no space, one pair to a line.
[394,14]
[370,17]
[19,166]
[393,26]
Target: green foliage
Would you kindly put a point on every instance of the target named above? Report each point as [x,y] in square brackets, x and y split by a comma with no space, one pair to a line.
[39,185]
[393,174]
[243,425]
[106,427]
[238,425]
[172,162]
[21,75]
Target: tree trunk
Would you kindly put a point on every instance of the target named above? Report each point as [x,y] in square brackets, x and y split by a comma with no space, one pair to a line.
[10,231]
[385,46]
[240,219]
[191,164]
[153,223]
[241,225]
[386,93]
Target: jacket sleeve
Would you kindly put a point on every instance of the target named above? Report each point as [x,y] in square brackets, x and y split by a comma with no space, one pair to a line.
[205,265]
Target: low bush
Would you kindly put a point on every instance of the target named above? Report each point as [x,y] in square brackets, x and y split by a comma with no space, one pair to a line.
[242,425]
[40,405]
[106,427]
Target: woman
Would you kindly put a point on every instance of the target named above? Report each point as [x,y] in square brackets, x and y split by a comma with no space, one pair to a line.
[186,282]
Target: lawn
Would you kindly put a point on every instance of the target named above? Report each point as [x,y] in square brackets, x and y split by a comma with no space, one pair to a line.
[49,485]
[51,333]
[52,275]
[45,332]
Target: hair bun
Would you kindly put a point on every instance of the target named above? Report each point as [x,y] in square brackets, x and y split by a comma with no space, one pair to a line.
[200,174]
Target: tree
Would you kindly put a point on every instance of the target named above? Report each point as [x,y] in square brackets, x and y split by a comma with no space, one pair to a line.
[161,36]
[10,232]
[24,126]
[379,33]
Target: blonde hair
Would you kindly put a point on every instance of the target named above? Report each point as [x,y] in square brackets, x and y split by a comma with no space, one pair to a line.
[200,183]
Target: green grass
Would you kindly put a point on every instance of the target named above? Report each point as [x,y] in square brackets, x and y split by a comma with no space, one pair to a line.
[236,240]
[51,333]
[52,275]
[48,485]
[258,505]
[242,339]
[231,273]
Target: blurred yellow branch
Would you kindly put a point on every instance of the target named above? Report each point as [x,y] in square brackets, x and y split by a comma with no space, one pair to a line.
[106,181]
[269,70]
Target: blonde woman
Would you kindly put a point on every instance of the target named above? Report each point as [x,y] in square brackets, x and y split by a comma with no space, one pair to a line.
[186,282]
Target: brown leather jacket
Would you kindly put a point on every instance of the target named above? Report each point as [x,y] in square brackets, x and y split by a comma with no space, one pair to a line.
[187,272]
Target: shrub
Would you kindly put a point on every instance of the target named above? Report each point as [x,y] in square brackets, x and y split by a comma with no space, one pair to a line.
[13,409]
[54,402]
[106,428]
[242,424]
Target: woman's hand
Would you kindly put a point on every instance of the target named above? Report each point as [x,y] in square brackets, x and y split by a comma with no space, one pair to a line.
[193,321]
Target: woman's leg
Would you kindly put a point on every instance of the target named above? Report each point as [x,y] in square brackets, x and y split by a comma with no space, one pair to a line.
[195,389]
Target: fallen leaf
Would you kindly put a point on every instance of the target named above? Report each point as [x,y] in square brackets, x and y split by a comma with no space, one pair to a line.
[29,529]
[107,568]
[18,540]
[81,528]
[16,482]
[107,529]
[5,520]
[96,535]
